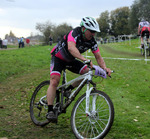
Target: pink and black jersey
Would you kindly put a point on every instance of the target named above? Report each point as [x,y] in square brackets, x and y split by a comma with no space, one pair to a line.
[75,35]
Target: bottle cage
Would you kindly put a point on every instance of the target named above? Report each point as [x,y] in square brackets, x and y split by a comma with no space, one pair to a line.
[99,71]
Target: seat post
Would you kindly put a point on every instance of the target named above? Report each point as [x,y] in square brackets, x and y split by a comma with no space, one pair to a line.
[64,77]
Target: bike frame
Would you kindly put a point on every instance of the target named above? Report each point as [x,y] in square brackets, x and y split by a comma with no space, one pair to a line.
[86,79]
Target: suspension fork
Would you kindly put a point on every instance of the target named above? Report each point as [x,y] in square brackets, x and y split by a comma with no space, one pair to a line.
[93,110]
[88,91]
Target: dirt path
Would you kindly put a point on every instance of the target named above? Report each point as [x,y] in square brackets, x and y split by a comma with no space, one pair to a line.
[8,48]
[118,52]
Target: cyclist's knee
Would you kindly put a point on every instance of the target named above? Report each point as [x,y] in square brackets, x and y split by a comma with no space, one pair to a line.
[84,71]
[54,81]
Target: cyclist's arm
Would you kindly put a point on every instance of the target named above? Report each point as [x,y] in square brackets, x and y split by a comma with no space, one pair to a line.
[101,62]
[74,51]
[139,28]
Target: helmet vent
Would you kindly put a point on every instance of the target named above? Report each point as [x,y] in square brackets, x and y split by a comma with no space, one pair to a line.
[91,23]
[84,20]
[87,24]
[94,22]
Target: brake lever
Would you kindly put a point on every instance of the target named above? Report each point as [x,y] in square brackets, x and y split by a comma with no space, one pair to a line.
[111,72]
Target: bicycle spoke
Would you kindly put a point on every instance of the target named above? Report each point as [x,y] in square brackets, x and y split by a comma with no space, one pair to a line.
[96,129]
[103,110]
[85,128]
[83,107]
[87,131]
[81,127]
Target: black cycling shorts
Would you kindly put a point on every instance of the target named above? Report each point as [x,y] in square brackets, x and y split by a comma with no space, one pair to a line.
[57,65]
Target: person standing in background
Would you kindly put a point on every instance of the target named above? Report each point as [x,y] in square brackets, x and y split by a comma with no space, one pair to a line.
[50,40]
[5,42]
[0,43]
[27,41]
[19,42]
[22,42]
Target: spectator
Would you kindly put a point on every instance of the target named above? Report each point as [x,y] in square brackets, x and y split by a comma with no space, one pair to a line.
[27,41]
[19,42]
[5,42]
[101,39]
[22,41]
[0,43]
[50,40]
[58,39]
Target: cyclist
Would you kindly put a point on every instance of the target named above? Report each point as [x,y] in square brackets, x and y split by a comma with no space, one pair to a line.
[144,29]
[67,54]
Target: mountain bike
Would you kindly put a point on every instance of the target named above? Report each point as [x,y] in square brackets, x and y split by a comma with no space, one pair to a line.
[93,113]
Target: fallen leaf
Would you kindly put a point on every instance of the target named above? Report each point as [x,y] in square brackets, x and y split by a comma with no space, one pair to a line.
[135,120]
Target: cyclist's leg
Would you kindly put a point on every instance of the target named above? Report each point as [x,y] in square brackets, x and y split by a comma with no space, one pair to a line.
[51,92]
[77,67]
[142,35]
[147,35]
[56,68]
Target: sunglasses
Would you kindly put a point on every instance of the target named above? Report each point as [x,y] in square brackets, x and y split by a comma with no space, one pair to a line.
[92,31]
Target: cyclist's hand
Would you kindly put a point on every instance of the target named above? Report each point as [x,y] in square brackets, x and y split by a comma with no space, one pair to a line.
[91,64]
[108,71]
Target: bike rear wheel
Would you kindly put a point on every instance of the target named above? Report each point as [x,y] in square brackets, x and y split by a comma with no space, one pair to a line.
[142,51]
[38,104]
[98,124]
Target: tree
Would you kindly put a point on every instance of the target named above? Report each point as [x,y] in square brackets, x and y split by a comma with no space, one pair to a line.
[61,30]
[139,10]
[120,21]
[46,29]
[144,9]
[11,34]
[103,21]
[134,17]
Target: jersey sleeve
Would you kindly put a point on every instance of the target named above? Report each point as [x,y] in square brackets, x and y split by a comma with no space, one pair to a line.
[71,37]
[95,48]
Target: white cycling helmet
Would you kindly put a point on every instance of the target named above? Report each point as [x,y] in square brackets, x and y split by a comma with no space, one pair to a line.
[90,23]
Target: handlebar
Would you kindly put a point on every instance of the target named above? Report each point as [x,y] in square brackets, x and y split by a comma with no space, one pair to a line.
[98,70]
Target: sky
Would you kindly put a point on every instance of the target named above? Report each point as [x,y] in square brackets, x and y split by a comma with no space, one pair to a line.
[21,16]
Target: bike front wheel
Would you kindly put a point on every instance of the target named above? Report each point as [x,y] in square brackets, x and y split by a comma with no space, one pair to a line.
[38,104]
[98,123]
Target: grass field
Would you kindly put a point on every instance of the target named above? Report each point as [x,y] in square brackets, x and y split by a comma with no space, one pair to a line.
[21,70]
